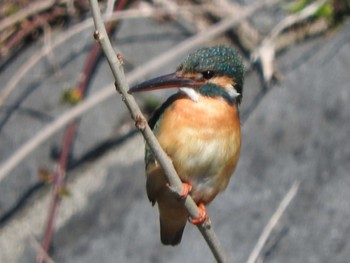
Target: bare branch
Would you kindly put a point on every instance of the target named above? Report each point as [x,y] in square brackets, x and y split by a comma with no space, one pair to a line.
[158,11]
[290,20]
[53,210]
[47,45]
[265,53]
[26,67]
[247,34]
[30,10]
[273,222]
[39,248]
[110,7]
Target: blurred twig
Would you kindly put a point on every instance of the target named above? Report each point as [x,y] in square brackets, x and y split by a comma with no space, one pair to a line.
[158,11]
[264,55]
[28,28]
[30,10]
[247,35]
[33,60]
[272,223]
[290,20]
[38,247]
[47,45]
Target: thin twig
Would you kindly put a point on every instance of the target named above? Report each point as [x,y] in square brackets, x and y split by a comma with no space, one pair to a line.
[30,10]
[110,7]
[38,247]
[26,67]
[47,45]
[53,210]
[248,36]
[264,55]
[273,222]
[299,33]
[290,20]
[18,38]
[157,11]
[106,92]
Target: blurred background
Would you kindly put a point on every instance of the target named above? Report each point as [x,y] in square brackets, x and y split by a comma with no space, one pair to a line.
[72,179]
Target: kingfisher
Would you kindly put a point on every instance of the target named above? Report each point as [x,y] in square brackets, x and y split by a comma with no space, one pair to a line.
[199,129]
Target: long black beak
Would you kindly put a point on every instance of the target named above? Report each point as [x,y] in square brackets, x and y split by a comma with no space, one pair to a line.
[173,80]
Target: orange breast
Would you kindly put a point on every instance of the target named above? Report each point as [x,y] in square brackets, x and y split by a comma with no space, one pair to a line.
[203,140]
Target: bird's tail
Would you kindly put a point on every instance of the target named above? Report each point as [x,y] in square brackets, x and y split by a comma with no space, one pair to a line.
[173,219]
[171,231]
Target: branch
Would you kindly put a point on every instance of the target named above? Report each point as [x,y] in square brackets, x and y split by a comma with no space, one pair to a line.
[33,60]
[264,55]
[273,222]
[38,247]
[115,64]
[53,210]
[158,11]
[30,10]
[17,39]
[290,20]
[247,35]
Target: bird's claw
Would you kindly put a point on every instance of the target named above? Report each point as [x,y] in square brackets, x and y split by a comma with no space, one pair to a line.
[203,216]
[186,188]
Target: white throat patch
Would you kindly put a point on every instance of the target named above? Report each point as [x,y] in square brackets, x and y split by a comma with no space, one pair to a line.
[232,92]
[191,93]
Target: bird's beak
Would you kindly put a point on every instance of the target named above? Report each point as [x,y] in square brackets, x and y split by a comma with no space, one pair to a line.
[173,80]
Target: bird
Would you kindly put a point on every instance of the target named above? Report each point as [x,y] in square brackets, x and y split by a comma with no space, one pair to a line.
[199,129]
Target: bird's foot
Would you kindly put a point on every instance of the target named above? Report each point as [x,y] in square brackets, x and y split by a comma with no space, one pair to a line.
[186,188]
[203,216]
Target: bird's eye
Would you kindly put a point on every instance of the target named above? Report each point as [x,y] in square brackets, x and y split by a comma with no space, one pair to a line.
[208,74]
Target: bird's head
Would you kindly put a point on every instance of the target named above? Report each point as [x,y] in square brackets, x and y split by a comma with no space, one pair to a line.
[214,71]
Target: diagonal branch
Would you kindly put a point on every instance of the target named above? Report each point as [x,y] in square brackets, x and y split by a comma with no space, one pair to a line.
[115,64]
[273,222]
[264,55]
[39,248]
[290,20]
[30,10]
[26,67]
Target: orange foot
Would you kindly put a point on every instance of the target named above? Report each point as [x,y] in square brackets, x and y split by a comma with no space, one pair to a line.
[202,215]
[186,188]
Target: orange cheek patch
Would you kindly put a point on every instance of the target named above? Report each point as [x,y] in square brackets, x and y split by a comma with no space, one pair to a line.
[223,81]
[190,75]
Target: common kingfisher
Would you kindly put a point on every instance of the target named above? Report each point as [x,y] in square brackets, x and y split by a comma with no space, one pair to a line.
[199,129]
